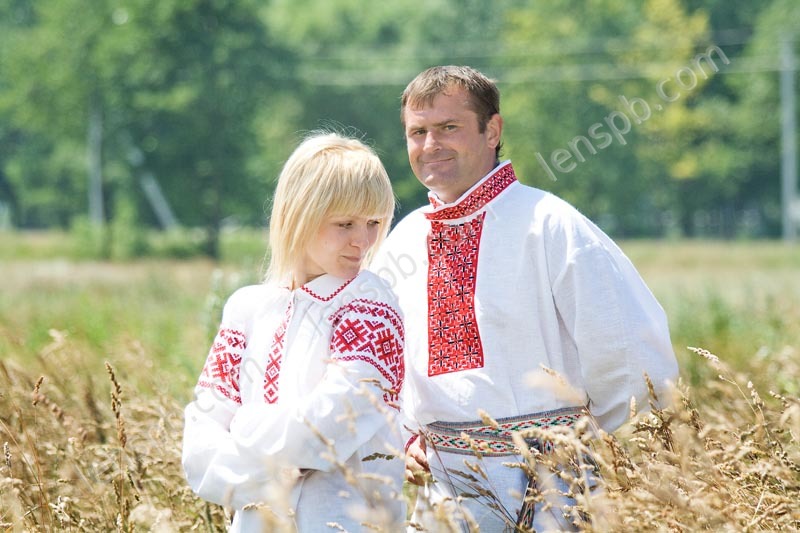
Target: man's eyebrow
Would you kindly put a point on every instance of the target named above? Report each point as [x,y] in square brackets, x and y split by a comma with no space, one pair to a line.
[445,122]
[413,126]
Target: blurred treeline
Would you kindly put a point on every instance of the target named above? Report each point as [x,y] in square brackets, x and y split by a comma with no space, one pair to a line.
[656,118]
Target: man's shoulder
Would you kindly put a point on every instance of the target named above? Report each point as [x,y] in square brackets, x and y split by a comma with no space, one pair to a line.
[538,202]
[526,192]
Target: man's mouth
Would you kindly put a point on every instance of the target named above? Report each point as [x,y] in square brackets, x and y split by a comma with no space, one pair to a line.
[437,161]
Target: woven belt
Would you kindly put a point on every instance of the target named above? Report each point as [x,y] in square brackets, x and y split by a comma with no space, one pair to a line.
[497,440]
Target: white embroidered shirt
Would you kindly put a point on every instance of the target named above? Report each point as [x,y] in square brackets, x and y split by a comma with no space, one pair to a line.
[302,382]
[509,279]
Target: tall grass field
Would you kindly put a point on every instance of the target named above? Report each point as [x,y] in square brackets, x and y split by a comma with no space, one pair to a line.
[98,359]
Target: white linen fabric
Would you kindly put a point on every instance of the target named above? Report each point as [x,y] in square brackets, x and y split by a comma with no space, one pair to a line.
[294,415]
[511,279]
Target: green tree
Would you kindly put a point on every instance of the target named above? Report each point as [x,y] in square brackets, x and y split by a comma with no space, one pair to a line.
[204,71]
[35,172]
[583,117]
[211,96]
[750,113]
[176,83]
[356,57]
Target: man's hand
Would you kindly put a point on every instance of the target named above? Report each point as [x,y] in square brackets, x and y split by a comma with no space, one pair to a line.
[417,467]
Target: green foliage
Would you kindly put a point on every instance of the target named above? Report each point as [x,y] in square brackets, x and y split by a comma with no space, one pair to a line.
[586,103]
[89,240]
[733,298]
[128,239]
[210,97]
[177,243]
[177,84]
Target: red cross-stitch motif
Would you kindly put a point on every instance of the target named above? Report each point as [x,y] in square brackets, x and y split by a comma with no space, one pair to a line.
[330,296]
[221,370]
[453,337]
[371,332]
[350,335]
[478,198]
[274,358]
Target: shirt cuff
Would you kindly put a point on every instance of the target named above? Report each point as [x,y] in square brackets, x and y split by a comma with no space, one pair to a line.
[410,441]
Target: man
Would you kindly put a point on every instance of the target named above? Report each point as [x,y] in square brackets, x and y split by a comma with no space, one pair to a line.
[496,281]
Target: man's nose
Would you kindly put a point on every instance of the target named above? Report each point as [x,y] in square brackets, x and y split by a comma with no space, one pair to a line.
[431,141]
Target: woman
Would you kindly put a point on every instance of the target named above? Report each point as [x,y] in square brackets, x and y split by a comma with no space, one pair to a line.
[293,424]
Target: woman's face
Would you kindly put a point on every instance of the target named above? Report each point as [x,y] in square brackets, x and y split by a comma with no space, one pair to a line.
[339,247]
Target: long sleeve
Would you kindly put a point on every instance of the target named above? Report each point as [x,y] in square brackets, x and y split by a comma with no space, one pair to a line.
[351,403]
[214,468]
[619,329]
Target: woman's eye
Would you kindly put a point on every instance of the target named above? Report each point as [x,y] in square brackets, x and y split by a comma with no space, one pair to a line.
[374,222]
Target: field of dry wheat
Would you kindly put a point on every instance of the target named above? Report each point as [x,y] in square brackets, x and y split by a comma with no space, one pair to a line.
[97,361]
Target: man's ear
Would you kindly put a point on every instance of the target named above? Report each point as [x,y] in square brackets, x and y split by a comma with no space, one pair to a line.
[494,130]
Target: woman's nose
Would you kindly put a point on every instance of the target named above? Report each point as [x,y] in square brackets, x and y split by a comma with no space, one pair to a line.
[361,237]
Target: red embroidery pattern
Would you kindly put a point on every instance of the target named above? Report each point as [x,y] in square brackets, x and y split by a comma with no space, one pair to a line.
[453,337]
[274,358]
[221,370]
[371,332]
[478,198]
[434,201]
[328,298]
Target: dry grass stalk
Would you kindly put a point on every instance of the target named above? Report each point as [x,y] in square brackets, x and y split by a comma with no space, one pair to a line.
[724,457]
[729,461]
[59,473]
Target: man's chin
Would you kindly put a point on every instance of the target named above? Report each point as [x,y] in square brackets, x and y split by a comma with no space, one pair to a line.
[431,179]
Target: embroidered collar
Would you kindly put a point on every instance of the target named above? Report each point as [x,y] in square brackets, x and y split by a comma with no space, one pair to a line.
[325,287]
[478,196]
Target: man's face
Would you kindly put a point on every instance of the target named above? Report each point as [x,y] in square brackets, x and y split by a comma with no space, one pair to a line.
[446,149]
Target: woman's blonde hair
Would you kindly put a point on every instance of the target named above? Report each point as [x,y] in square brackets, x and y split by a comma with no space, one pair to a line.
[327,174]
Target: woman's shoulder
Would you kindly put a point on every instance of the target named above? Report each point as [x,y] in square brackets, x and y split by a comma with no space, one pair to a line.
[369,296]
[369,286]
[249,292]
[249,298]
